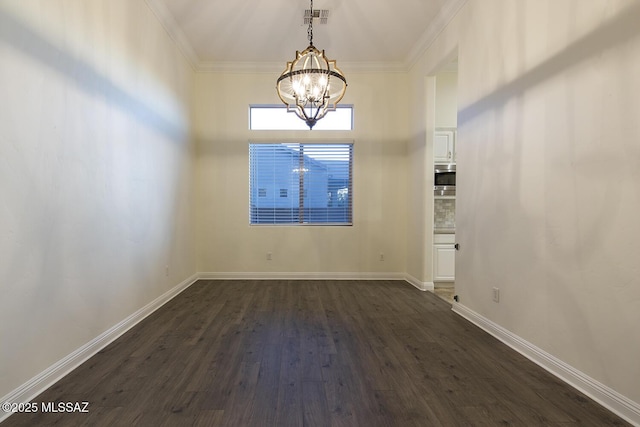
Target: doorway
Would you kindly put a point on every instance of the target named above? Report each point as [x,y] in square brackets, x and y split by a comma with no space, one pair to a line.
[444,199]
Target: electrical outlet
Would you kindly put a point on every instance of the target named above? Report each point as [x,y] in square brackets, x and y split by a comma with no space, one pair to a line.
[381,257]
[269,257]
[496,295]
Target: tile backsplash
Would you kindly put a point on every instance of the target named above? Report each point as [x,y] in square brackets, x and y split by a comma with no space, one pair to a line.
[444,213]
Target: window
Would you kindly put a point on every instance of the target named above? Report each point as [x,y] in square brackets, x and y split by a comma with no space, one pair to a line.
[276,117]
[298,184]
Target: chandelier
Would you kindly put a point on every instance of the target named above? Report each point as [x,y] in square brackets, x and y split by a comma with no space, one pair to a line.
[311,85]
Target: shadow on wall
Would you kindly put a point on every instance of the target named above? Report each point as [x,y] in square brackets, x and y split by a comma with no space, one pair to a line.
[87,78]
[616,32]
[623,27]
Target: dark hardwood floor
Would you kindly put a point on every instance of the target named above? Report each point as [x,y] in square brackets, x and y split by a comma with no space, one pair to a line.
[312,353]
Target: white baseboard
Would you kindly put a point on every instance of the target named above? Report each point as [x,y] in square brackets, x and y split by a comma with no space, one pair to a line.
[614,401]
[423,286]
[610,399]
[58,370]
[300,276]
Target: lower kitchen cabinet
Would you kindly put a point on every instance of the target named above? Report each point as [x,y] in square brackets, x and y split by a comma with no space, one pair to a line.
[444,258]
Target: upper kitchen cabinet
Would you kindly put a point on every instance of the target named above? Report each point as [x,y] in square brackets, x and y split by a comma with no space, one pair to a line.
[444,146]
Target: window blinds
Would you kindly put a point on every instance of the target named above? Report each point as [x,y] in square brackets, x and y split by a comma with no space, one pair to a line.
[298,184]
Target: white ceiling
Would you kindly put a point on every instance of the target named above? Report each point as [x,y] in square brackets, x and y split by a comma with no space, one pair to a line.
[366,34]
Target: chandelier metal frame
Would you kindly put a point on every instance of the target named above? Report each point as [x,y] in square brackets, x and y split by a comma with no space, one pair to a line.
[311,85]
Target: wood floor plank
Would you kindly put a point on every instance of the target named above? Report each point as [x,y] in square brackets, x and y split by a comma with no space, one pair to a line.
[239,409]
[314,405]
[209,419]
[289,405]
[311,352]
[265,402]
[339,388]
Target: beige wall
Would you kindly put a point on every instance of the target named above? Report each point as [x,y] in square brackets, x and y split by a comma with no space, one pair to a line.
[549,162]
[94,174]
[446,110]
[228,245]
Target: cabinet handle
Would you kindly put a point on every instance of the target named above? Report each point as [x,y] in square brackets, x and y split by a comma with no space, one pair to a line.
[457,246]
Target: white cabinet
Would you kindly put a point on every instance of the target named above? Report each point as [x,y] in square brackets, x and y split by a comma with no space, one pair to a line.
[444,263]
[444,258]
[444,146]
[444,245]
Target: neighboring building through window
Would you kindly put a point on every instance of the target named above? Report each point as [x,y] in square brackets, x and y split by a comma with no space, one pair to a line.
[300,183]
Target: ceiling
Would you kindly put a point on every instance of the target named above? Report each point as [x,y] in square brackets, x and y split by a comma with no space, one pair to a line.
[246,34]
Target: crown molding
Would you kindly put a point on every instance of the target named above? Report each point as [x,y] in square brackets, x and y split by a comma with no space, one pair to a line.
[432,32]
[278,67]
[255,67]
[174,31]
[373,67]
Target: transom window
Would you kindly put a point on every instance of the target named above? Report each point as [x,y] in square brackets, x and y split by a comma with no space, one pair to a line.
[300,183]
[276,117]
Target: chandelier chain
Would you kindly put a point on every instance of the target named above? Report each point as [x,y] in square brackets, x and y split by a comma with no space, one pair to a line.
[310,29]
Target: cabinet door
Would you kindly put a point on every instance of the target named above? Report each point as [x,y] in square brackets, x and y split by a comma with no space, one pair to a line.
[443,147]
[444,263]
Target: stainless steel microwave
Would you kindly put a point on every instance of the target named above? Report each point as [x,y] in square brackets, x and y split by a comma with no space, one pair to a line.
[444,180]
